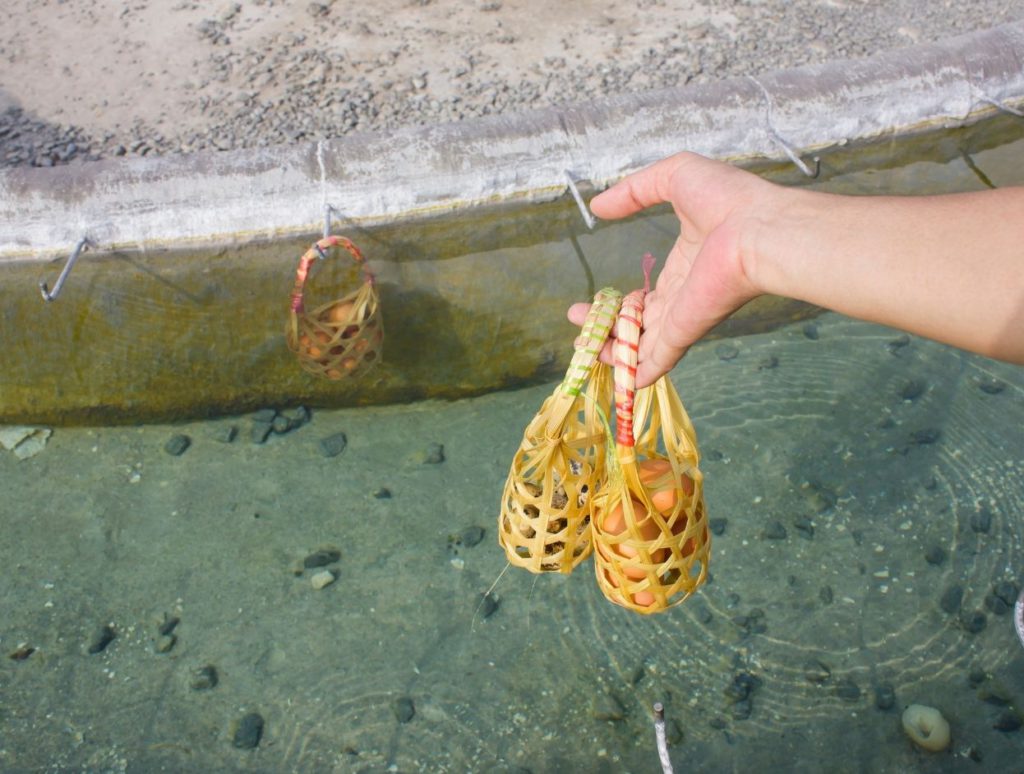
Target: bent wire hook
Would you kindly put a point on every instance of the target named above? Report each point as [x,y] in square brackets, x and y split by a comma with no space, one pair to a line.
[81,247]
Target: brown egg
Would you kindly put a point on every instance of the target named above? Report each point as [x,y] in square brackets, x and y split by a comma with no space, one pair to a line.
[340,313]
[653,473]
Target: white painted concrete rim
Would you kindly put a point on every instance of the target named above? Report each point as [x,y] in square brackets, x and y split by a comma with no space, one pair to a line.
[225,198]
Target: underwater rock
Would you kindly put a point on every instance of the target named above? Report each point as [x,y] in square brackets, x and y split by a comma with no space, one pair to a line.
[1007,722]
[810,331]
[718,525]
[177,444]
[926,727]
[248,732]
[321,558]
[896,345]
[774,531]
[767,363]
[804,527]
[885,696]
[382,493]
[404,709]
[225,434]
[472,536]
[264,415]
[816,671]
[608,707]
[925,436]
[1002,598]
[434,454]
[826,595]
[164,643]
[488,605]
[204,678]
[991,386]
[103,636]
[912,389]
[322,579]
[935,555]
[727,351]
[848,690]
[24,441]
[333,445]
[981,522]
[952,599]
[972,621]
[260,431]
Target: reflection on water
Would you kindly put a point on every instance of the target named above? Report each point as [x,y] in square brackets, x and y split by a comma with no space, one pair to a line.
[309,595]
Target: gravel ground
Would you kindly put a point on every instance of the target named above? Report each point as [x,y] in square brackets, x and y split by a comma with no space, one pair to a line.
[99,78]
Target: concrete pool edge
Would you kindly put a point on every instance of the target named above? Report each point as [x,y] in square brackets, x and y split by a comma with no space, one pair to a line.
[179,310]
[226,197]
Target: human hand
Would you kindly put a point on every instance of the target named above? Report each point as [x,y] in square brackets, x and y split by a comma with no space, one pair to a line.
[708,273]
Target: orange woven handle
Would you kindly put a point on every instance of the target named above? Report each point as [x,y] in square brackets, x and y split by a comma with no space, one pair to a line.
[625,352]
[317,251]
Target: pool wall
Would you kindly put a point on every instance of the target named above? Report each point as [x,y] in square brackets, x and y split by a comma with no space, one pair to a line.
[179,309]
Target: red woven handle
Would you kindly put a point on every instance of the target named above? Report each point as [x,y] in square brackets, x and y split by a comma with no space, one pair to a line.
[317,251]
[625,353]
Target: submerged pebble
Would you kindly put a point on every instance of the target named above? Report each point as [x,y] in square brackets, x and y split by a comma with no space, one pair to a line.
[810,331]
[382,493]
[248,731]
[727,351]
[488,605]
[774,530]
[885,696]
[204,678]
[225,434]
[404,709]
[991,386]
[912,389]
[935,555]
[177,444]
[925,436]
[333,445]
[848,690]
[1008,721]
[322,579]
[973,621]
[951,599]
[321,558]
[718,525]
[261,431]
[981,522]
[101,638]
[608,707]
[472,536]
[434,454]
[164,643]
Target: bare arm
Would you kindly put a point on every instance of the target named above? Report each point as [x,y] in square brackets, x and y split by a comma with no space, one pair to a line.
[947,267]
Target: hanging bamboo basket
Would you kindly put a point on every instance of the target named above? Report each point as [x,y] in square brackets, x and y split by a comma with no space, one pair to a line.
[547,503]
[652,543]
[339,339]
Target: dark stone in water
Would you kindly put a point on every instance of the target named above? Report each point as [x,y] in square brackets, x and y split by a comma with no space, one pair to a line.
[951,599]
[472,536]
[1007,591]
[333,445]
[897,344]
[817,671]
[104,635]
[727,351]
[404,709]
[434,455]
[774,531]
[265,415]
[976,677]
[204,678]
[935,555]
[913,389]
[825,594]
[742,709]
[248,732]
[991,386]
[811,331]
[767,363]
[925,436]
[1007,722]
[488,605]
[225,434]
[281,424]
[981,522]
[177,444]
[261,431]
[383,493]
[321,558]
[885,696]
[997,605]
[718,525]
[804,527]
[168,625]
[972,621]
[847,690]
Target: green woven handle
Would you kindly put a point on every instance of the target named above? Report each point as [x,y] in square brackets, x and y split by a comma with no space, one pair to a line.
[596,330]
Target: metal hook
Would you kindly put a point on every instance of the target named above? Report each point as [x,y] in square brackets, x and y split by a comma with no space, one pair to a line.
[781,141]
[659,736]
[81,247]
[983,97]
[588,218]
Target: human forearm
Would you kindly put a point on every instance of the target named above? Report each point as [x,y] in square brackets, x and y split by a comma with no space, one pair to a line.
[946,267]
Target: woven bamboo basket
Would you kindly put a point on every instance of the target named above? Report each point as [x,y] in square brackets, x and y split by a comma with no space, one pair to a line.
[341,338]
[547,503]
[650,524]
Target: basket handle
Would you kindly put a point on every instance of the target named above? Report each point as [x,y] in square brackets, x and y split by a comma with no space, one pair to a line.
[624,352]
[596,329]
[318,250]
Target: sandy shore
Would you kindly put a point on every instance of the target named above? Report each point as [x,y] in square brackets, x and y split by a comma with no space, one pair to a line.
[85,80]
